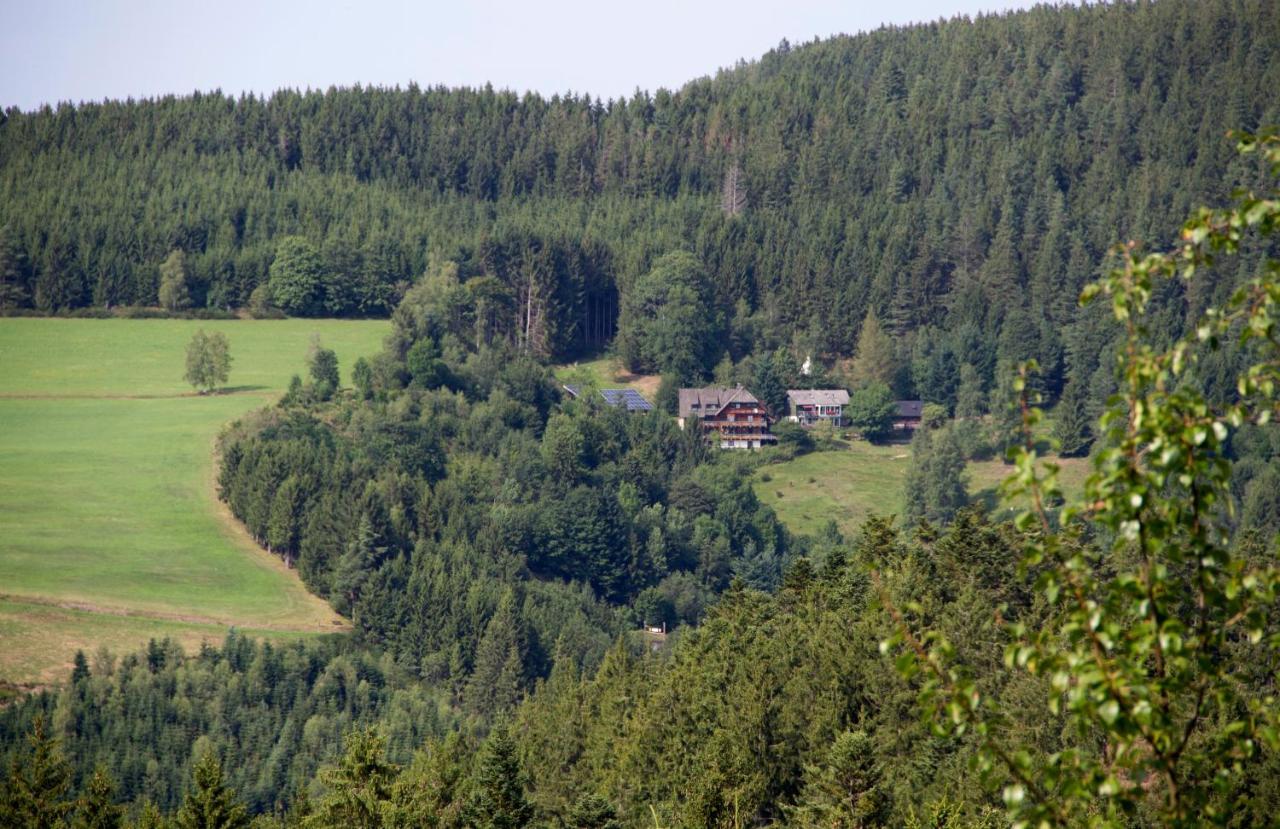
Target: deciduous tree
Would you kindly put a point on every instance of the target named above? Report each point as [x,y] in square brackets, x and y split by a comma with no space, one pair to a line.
[208,360]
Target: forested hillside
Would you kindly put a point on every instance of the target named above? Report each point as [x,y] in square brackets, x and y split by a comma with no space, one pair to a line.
[939,195]
[965,176]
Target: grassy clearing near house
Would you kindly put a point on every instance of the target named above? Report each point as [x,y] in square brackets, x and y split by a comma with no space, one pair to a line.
[109,529]
[841,485]
[608,373]
[848,485]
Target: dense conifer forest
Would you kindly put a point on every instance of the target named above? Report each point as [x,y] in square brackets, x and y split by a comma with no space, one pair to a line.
[915,208]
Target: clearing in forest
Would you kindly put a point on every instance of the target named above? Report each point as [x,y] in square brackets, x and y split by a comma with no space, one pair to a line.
[608,373]
[110,532]
[848,484]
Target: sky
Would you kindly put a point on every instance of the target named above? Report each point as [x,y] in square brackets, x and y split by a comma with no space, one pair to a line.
[86,50]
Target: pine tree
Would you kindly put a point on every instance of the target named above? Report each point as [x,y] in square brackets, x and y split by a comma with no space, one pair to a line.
[358,788]
[35,793]
[1071,422]
[945,490]
[971,399]
[591,811]
[15,272]
[356,564]
[915,505]
[844,792]
[499,801]
[935,487]
[97,809]
[498,674]
[282,523]
[174,295]
[769,381]
[874,358]
[430,792]
[1006,414]
[210,804]
[80,669]
[149,817]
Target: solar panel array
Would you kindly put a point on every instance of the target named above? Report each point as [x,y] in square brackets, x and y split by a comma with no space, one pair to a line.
[630,398]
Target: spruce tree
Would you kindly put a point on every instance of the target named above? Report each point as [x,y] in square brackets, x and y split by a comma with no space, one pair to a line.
[498,674]
[1071,422]
[210,803]
[499,800]
[915,505]
[358,788]
[14,272]
[845,790]
[945,491]
[80,669]
[149,817]
[591,811]
[96,808]
[971,400]
[769,381]
[35,793]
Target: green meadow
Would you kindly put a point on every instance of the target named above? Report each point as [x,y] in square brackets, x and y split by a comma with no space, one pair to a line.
[607,373]
[849,484]
[110,532]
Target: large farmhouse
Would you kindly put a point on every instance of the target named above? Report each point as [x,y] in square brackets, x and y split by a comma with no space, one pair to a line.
[734,417]
[809,407]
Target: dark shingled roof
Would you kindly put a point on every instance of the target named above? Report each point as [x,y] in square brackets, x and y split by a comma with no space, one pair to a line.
[712,399]
[909,408]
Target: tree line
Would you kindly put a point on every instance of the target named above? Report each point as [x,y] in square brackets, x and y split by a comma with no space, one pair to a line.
[961,180]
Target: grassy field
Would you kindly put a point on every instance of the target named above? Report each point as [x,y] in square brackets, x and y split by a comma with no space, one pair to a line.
[109,529]
[847,485]
[608,373]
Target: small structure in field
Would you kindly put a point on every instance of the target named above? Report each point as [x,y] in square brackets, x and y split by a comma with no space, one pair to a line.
[909,414]
[809,407]
[734,418]
[629,399]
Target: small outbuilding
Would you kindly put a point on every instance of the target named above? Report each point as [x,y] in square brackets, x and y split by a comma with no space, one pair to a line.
[908,415]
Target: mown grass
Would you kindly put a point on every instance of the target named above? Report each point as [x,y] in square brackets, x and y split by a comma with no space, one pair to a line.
[847,485]
[109,530]
[607,373]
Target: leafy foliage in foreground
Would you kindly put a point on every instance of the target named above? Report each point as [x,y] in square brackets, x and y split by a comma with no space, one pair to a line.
[1157,648]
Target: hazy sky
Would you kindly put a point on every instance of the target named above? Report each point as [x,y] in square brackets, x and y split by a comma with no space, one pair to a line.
[63,50]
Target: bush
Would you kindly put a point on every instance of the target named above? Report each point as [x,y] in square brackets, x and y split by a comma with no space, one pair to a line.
[262,305]
[793,437]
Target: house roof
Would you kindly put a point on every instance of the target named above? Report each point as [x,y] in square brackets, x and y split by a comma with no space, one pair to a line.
[629,399]
[909,408]
[819,397]
[712,399]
